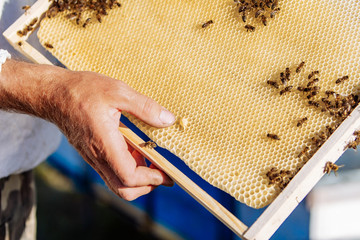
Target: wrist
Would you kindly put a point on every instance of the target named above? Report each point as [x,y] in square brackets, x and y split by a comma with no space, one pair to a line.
[30,88]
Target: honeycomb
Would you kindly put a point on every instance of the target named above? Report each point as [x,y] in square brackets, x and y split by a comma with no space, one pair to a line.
[214,78]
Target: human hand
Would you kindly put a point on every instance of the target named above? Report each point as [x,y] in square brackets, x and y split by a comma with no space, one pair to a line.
[87,106]
[96,102]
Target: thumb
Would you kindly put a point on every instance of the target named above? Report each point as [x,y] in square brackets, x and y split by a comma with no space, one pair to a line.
[148,110]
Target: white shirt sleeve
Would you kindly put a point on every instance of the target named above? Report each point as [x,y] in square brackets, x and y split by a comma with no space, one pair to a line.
[3,56]
[25,141]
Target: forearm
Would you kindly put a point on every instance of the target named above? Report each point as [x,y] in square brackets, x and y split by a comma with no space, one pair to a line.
[30,88]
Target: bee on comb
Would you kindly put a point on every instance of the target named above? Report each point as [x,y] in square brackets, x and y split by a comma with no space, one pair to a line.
[273,136]
[301,122]
[249,28]
[206,24]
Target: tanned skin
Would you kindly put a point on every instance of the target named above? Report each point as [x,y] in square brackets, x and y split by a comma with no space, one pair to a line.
[86,107]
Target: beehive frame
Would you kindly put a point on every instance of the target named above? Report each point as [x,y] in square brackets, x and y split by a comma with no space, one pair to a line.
[276,212]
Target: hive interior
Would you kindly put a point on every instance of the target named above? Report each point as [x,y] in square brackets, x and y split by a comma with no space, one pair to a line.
[215,78]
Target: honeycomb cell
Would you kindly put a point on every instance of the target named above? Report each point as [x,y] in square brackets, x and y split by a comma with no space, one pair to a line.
[216,78]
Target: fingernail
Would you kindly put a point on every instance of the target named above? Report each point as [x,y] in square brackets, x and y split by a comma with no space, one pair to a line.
[166,117]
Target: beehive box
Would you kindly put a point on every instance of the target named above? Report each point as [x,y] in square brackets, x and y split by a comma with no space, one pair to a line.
[216,78]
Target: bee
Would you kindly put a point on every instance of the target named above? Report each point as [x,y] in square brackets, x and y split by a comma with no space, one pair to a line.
[274,12]
[71,16]
[323,136]
[347,106]
[243,17]
[19,43]
[52,12]
[309,96]
[20,33]
[149,144]
[33,22]
[257,14]
[273,136]
[329,166]
[282,78]
[239,1]
[98,17]
[301,66]
[329,92]
[242,9]
[273,83]
[317,142]
[304,152]
[48,45]
[301,121]
[86,22]
[342,79]
[206,24]
[287,73]
[117,3]
[351,144]
[277,181]
[274,5]
[357,133]
[285,90]
[311,83]
[272,170]
[249,28]
[313,93]
[273,173]
[302,89]
[26,7]
[313,74]
[330,130]
[351,100]
[326,101]
[285,173]
[274,176]
[264,20]
[28,29]
[314,103]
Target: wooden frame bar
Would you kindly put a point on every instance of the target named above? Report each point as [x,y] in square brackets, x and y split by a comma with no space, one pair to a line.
[276,213]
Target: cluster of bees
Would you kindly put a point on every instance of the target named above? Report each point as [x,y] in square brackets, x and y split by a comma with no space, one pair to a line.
[28,28]
[99,8]
[279,178]
[259,9]
[335,104]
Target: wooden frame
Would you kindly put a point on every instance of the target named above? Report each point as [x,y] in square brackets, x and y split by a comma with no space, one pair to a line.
[276,213]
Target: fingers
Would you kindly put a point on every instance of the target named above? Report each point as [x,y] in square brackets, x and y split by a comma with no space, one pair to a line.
[147,109]
[130,168]
[169,181]
[114,184]
[140,160]
[127,193]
